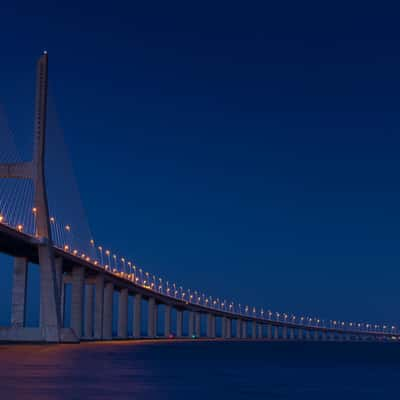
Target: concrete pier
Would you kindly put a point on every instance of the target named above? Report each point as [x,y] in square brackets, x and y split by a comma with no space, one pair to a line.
[291,333]
[259,331]
[238,329]
[167,320]
[209,325]
[244,329]
[228,328]
[284,333]
[88,327]
[150,318]
[191,324]
[99,307]
[254,330]
[179,323]
[19,289]
[223,327]
[269,332]
[123,314]
[78,279]
[197,324]
[137,316]
[276,332]
[108,310]
[60,286]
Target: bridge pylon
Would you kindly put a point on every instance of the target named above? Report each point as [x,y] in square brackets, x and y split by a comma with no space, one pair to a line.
[50,320]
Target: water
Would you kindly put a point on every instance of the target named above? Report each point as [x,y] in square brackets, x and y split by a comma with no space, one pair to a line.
[202,370]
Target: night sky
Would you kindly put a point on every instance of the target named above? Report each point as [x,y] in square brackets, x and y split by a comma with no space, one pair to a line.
[241,148]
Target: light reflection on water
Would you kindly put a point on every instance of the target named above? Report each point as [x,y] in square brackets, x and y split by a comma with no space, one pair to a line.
[202,370]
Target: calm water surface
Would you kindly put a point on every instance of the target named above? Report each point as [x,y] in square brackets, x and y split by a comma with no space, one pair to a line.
[202,370]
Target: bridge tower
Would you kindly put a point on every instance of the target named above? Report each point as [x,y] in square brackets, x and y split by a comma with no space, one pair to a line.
[50,321]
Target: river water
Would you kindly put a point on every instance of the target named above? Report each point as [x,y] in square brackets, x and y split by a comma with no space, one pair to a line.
[200,370]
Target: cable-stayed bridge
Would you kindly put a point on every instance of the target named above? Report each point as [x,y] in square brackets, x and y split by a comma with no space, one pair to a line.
[32,231]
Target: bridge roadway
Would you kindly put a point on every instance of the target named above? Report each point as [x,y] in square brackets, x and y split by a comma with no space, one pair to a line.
[96,322]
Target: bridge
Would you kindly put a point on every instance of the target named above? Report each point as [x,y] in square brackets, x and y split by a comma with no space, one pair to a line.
[94,274]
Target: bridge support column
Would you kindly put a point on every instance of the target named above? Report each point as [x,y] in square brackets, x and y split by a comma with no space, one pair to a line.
[78,278]
[123,314]
[197,321]
[150,318]
[276,332]
[259,331]
[191,322]
[60,287]
[308,335]
[88,329]
[238,329]
[254,330]
[244,329]
[99,304]
[137,316]
[284,333]
[20,278]
[269,332]
[228,328]
[214,326]
[223,327]
[209,325]
[179,322]
[108,311]
[291,333]
[323,336]
[167,320]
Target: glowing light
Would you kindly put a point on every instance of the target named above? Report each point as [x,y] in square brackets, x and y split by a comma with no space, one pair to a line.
[1,218]
[34,210]
[20,228]
[66,247]
[67,228]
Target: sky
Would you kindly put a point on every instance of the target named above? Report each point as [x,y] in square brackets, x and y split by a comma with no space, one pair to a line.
[246,149]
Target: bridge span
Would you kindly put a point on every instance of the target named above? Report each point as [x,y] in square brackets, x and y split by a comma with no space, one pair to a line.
[94,281]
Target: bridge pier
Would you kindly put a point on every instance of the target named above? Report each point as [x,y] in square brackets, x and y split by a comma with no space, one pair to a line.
[284,333]
[238,329]
[167,320]
[88,328]
[108,310]
[151,304]
[223,327]
[179,323]
[78,279]
[269,332]
[276,332]
[228,328]
[19,289]
[254,330]
[259,331]
[291,333]
[209,325]
[123,313]
[191,324]
[137,316]
[99,307]
[244,329]
[197,324]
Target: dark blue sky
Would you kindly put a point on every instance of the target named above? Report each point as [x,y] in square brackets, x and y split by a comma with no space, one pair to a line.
[246,149]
